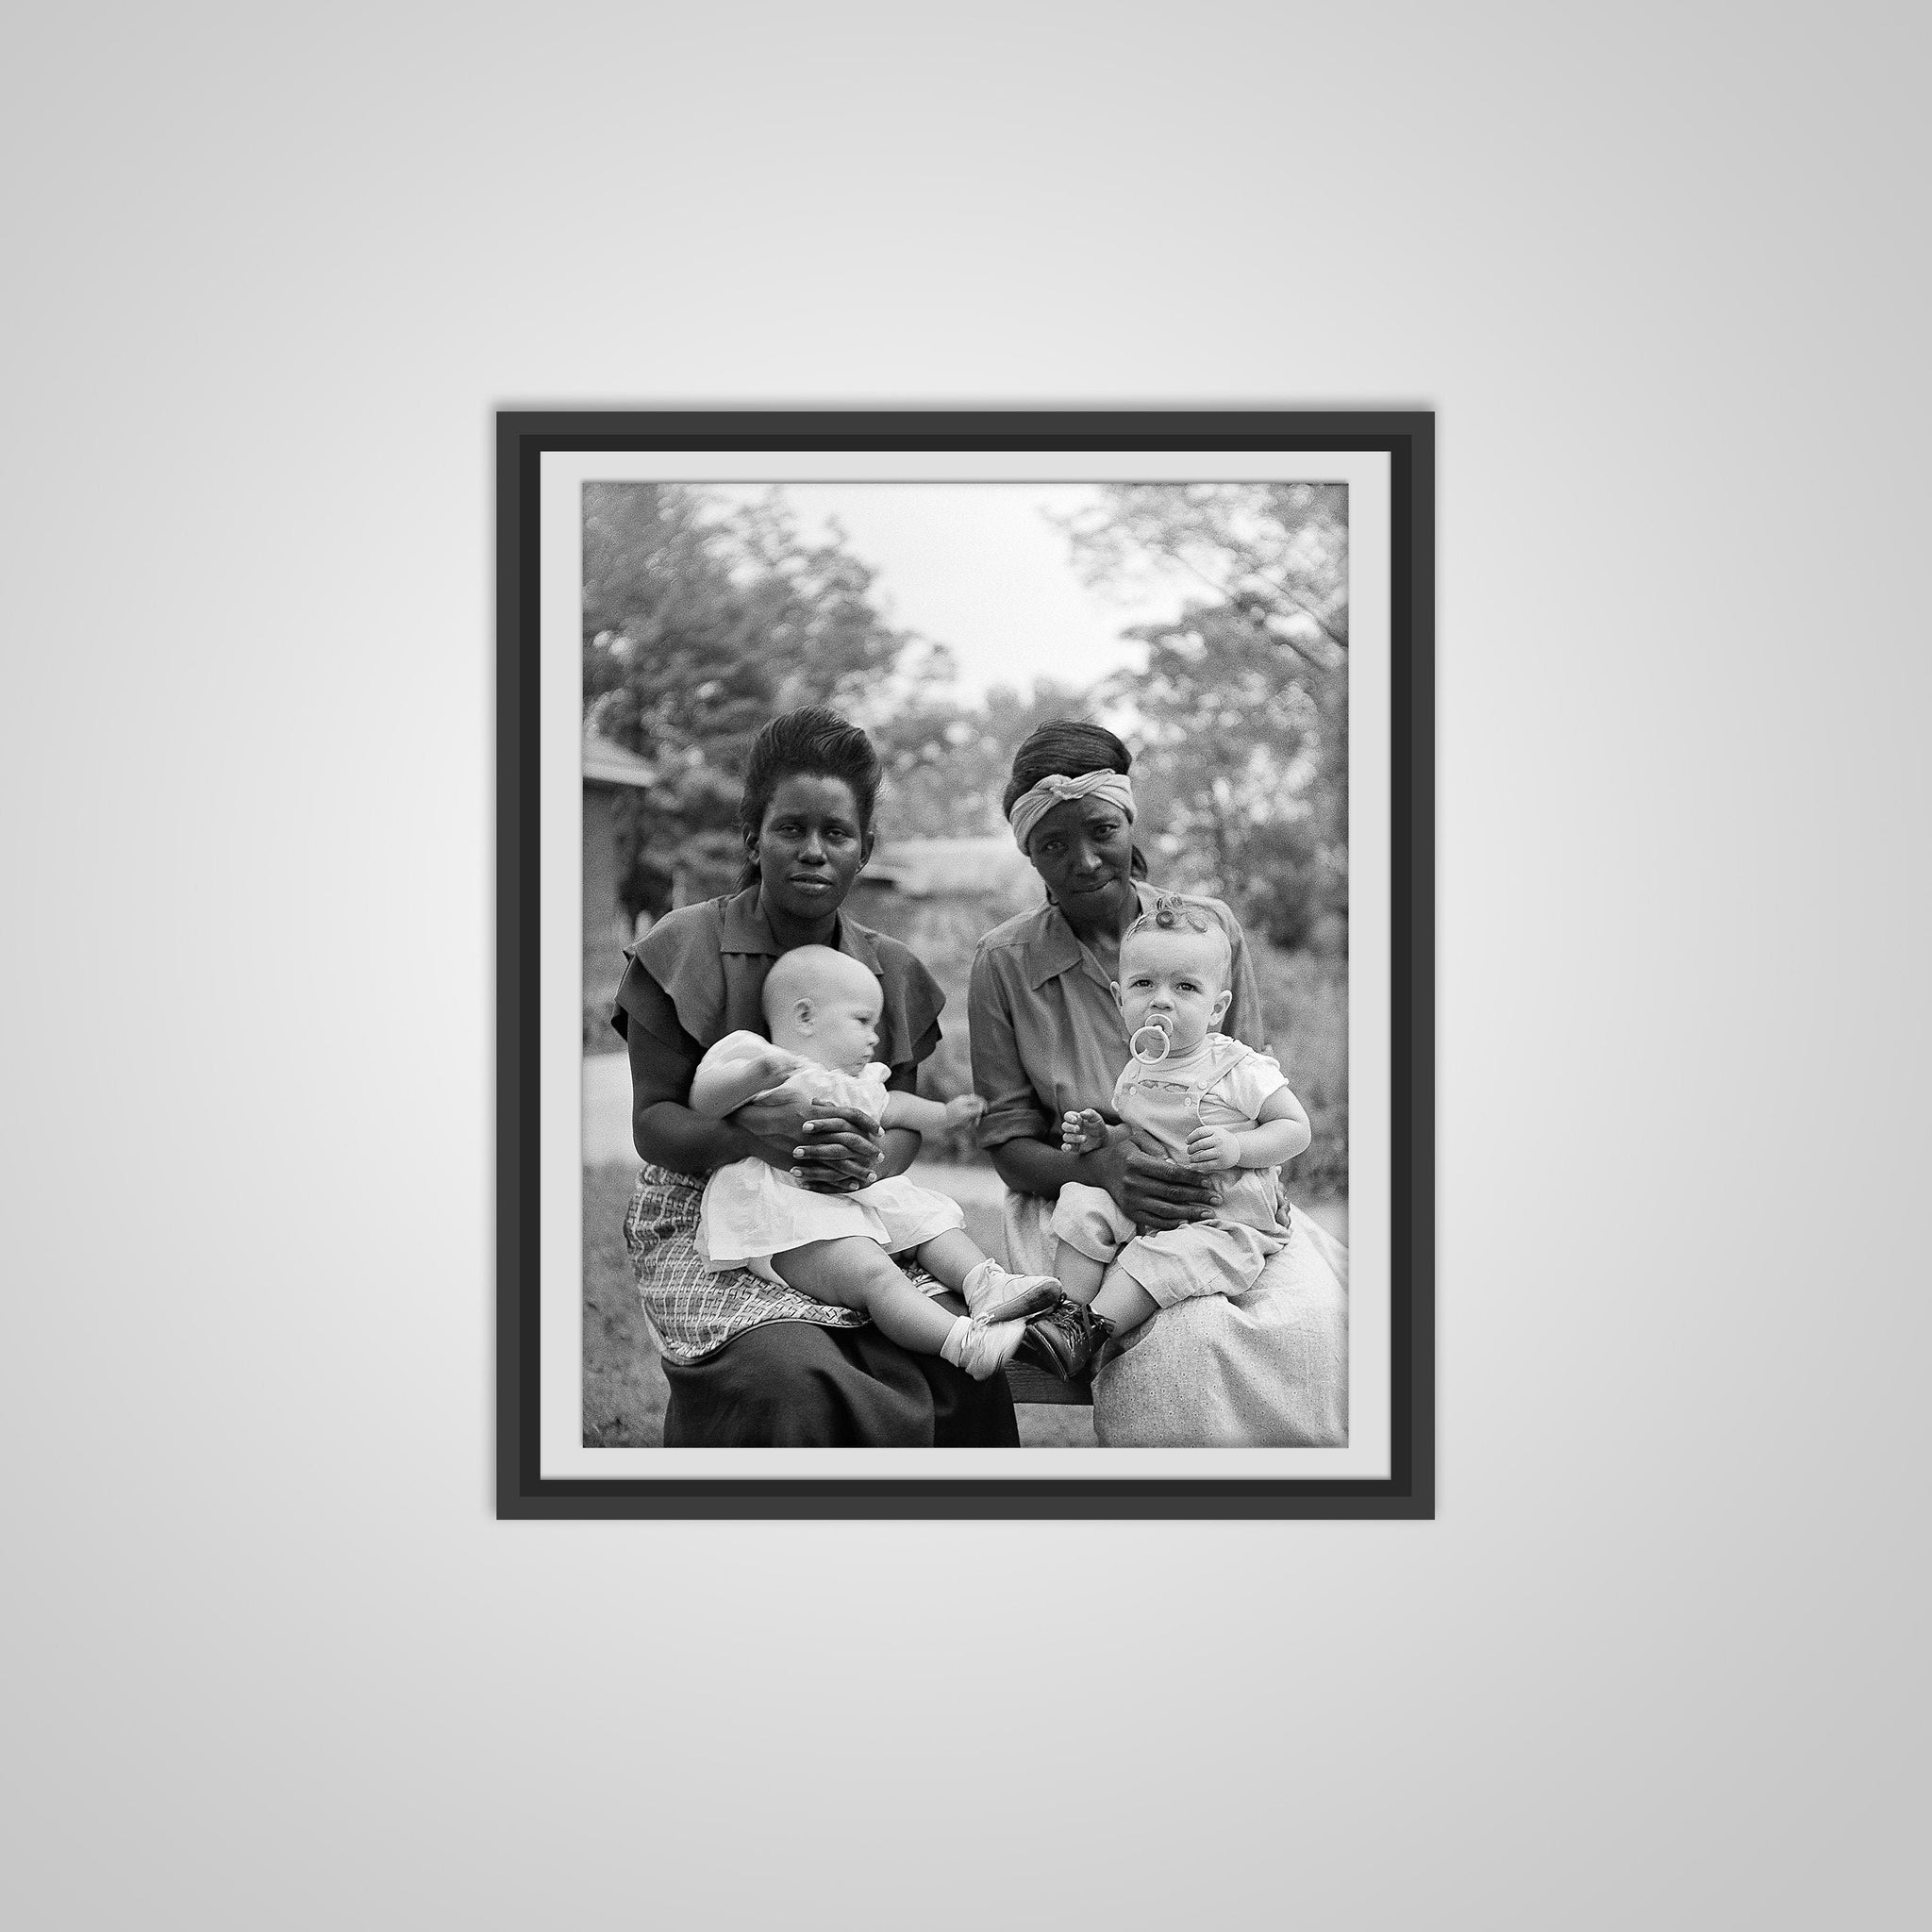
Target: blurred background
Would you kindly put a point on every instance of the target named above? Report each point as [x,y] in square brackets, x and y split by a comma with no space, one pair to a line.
[1206,623]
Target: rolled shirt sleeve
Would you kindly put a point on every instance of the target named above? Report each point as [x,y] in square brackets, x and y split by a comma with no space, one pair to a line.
[1013,1111]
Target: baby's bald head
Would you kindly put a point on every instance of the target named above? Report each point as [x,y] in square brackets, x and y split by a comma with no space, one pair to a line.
[815,973]
[824,1006]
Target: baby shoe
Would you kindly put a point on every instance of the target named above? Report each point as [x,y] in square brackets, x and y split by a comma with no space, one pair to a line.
[1025,1296]
[1065,1339]
[990,1284]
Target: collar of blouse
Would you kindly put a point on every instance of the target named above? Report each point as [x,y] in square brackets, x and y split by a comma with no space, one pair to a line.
[1052,946]
[743,929]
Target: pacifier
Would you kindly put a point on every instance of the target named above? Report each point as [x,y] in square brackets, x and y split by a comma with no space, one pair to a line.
[1157,1033]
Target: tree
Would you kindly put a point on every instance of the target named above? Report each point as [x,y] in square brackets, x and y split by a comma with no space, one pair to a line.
[699,626]
[947,763]
[1243,708]
[1277,552]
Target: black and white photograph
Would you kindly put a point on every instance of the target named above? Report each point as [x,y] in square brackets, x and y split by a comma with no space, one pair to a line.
[972,987]
[754,651]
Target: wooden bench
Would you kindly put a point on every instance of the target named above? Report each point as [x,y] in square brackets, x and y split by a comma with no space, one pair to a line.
[1029,1384]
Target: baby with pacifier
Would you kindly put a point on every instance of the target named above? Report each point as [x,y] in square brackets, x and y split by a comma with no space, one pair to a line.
[1197,1097]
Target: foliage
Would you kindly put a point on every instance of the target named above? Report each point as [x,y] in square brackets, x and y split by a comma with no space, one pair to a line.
[1304,997]
[946,763]
[699,626]
[1275,552]
[1241,711]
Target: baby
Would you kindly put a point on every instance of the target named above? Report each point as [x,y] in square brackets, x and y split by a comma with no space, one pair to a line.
[823,1010]
[1197,1097]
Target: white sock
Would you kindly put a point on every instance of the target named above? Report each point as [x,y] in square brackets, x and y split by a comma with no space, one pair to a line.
[956,1339]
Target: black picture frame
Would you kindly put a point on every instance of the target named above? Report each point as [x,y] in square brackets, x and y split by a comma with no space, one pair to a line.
[1407,438]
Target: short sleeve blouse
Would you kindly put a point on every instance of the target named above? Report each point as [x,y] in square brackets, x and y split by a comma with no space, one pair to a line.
[1047,1037]
[699,973]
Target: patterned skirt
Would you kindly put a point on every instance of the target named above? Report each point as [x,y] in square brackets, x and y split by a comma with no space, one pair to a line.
[754,1364]
[692,1312]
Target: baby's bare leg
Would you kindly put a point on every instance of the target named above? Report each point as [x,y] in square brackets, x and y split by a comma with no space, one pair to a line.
[1122,1300]
[1080,1275]
[854,1273]
[950,1257]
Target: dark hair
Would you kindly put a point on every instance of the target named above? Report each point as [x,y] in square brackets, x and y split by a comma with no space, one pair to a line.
[1072,749]
[813,744]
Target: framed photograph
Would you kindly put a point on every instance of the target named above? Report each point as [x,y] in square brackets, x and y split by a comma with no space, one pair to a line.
[965,973]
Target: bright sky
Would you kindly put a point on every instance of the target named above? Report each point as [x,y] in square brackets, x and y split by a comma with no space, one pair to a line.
[977,567]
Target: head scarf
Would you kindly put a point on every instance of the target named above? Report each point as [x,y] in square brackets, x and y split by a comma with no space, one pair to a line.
[1116,787]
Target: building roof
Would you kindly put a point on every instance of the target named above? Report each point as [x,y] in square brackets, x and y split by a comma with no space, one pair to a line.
[949,868]
[611,764]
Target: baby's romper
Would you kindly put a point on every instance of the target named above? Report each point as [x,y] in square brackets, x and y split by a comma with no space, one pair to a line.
[1222,1083]
[753,1211]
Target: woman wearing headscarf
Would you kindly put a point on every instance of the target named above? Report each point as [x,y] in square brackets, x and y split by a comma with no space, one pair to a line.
[1267,1366]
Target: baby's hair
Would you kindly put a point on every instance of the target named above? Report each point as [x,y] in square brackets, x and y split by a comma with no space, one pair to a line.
[811,972]
[1176,915]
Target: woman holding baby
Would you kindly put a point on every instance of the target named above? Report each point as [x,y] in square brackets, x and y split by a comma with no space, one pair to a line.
[784,1356]
[1263,1364]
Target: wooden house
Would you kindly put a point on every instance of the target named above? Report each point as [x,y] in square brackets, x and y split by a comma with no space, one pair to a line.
[610,772]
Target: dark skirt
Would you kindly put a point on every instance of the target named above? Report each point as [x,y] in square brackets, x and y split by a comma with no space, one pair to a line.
[795,1385]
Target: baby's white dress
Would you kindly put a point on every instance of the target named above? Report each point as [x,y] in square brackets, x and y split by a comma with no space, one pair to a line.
[753,1211]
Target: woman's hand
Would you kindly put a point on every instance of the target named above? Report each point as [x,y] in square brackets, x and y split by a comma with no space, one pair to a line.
[830,1149]
[1153,1191]
[842,1150]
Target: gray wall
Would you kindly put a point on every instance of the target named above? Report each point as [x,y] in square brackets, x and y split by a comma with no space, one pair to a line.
[1658,1661]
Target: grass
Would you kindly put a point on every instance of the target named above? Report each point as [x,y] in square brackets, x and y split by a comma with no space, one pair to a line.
[624,1391]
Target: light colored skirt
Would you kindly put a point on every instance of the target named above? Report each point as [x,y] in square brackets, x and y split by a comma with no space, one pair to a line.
[1264,1369]
[752,1212]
